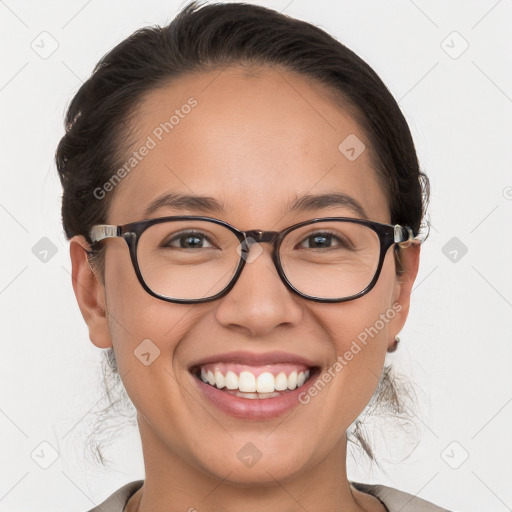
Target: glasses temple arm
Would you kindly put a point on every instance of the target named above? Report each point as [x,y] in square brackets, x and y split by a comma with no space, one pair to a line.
[101,231]
[399,236]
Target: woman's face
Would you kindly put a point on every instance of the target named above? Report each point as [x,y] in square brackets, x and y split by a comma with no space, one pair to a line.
[255,143]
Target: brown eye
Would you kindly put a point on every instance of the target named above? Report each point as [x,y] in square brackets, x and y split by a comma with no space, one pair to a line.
[324,240]
[188,240]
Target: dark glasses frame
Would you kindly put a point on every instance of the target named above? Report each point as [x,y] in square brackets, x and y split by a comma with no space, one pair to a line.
[388,234]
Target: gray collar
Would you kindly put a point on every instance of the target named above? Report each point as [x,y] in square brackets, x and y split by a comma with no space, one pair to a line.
[393,499]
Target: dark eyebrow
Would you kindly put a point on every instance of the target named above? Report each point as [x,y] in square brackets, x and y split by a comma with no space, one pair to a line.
[319,201]
[185,202]
[212,205]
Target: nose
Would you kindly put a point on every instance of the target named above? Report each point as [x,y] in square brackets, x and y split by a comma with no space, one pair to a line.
[259,301]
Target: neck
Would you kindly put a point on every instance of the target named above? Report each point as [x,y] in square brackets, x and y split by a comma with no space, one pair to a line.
[173,484]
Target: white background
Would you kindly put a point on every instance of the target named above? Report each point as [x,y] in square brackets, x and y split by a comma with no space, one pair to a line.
[457,344]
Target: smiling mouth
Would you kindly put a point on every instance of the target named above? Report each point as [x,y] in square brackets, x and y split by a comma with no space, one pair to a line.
[254,382]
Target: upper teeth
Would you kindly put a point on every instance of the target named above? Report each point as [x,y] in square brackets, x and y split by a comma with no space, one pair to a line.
[247,382]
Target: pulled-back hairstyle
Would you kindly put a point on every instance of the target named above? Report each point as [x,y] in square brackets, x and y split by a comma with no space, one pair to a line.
[205,37]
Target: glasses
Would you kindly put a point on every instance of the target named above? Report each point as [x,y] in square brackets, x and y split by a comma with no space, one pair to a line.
[192,259]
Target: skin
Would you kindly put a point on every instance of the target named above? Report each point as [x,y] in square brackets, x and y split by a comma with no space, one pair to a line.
[255,141]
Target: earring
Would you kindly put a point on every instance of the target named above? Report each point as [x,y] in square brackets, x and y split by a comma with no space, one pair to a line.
[395,344]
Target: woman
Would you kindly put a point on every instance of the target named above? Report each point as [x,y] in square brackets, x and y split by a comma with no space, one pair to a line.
[270,199]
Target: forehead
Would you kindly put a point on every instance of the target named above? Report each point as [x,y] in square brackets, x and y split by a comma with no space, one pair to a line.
[255,139]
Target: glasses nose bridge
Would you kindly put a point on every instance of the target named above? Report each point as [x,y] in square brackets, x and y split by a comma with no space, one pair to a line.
[259,236]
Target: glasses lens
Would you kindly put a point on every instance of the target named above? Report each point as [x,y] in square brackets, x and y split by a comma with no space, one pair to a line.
[188,259]
[331,259]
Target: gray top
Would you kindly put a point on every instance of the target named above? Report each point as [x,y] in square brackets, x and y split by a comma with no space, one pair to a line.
[393,499]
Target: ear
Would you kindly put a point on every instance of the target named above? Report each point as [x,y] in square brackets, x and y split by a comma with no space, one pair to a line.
[90,293]
[409,258]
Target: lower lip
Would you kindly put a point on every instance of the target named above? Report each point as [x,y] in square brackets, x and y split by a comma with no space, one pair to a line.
[253,409]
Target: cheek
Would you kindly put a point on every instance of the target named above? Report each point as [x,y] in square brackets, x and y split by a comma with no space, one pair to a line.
[364,320]
[146,334]
[358,331]
[144,329]
[359,337]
